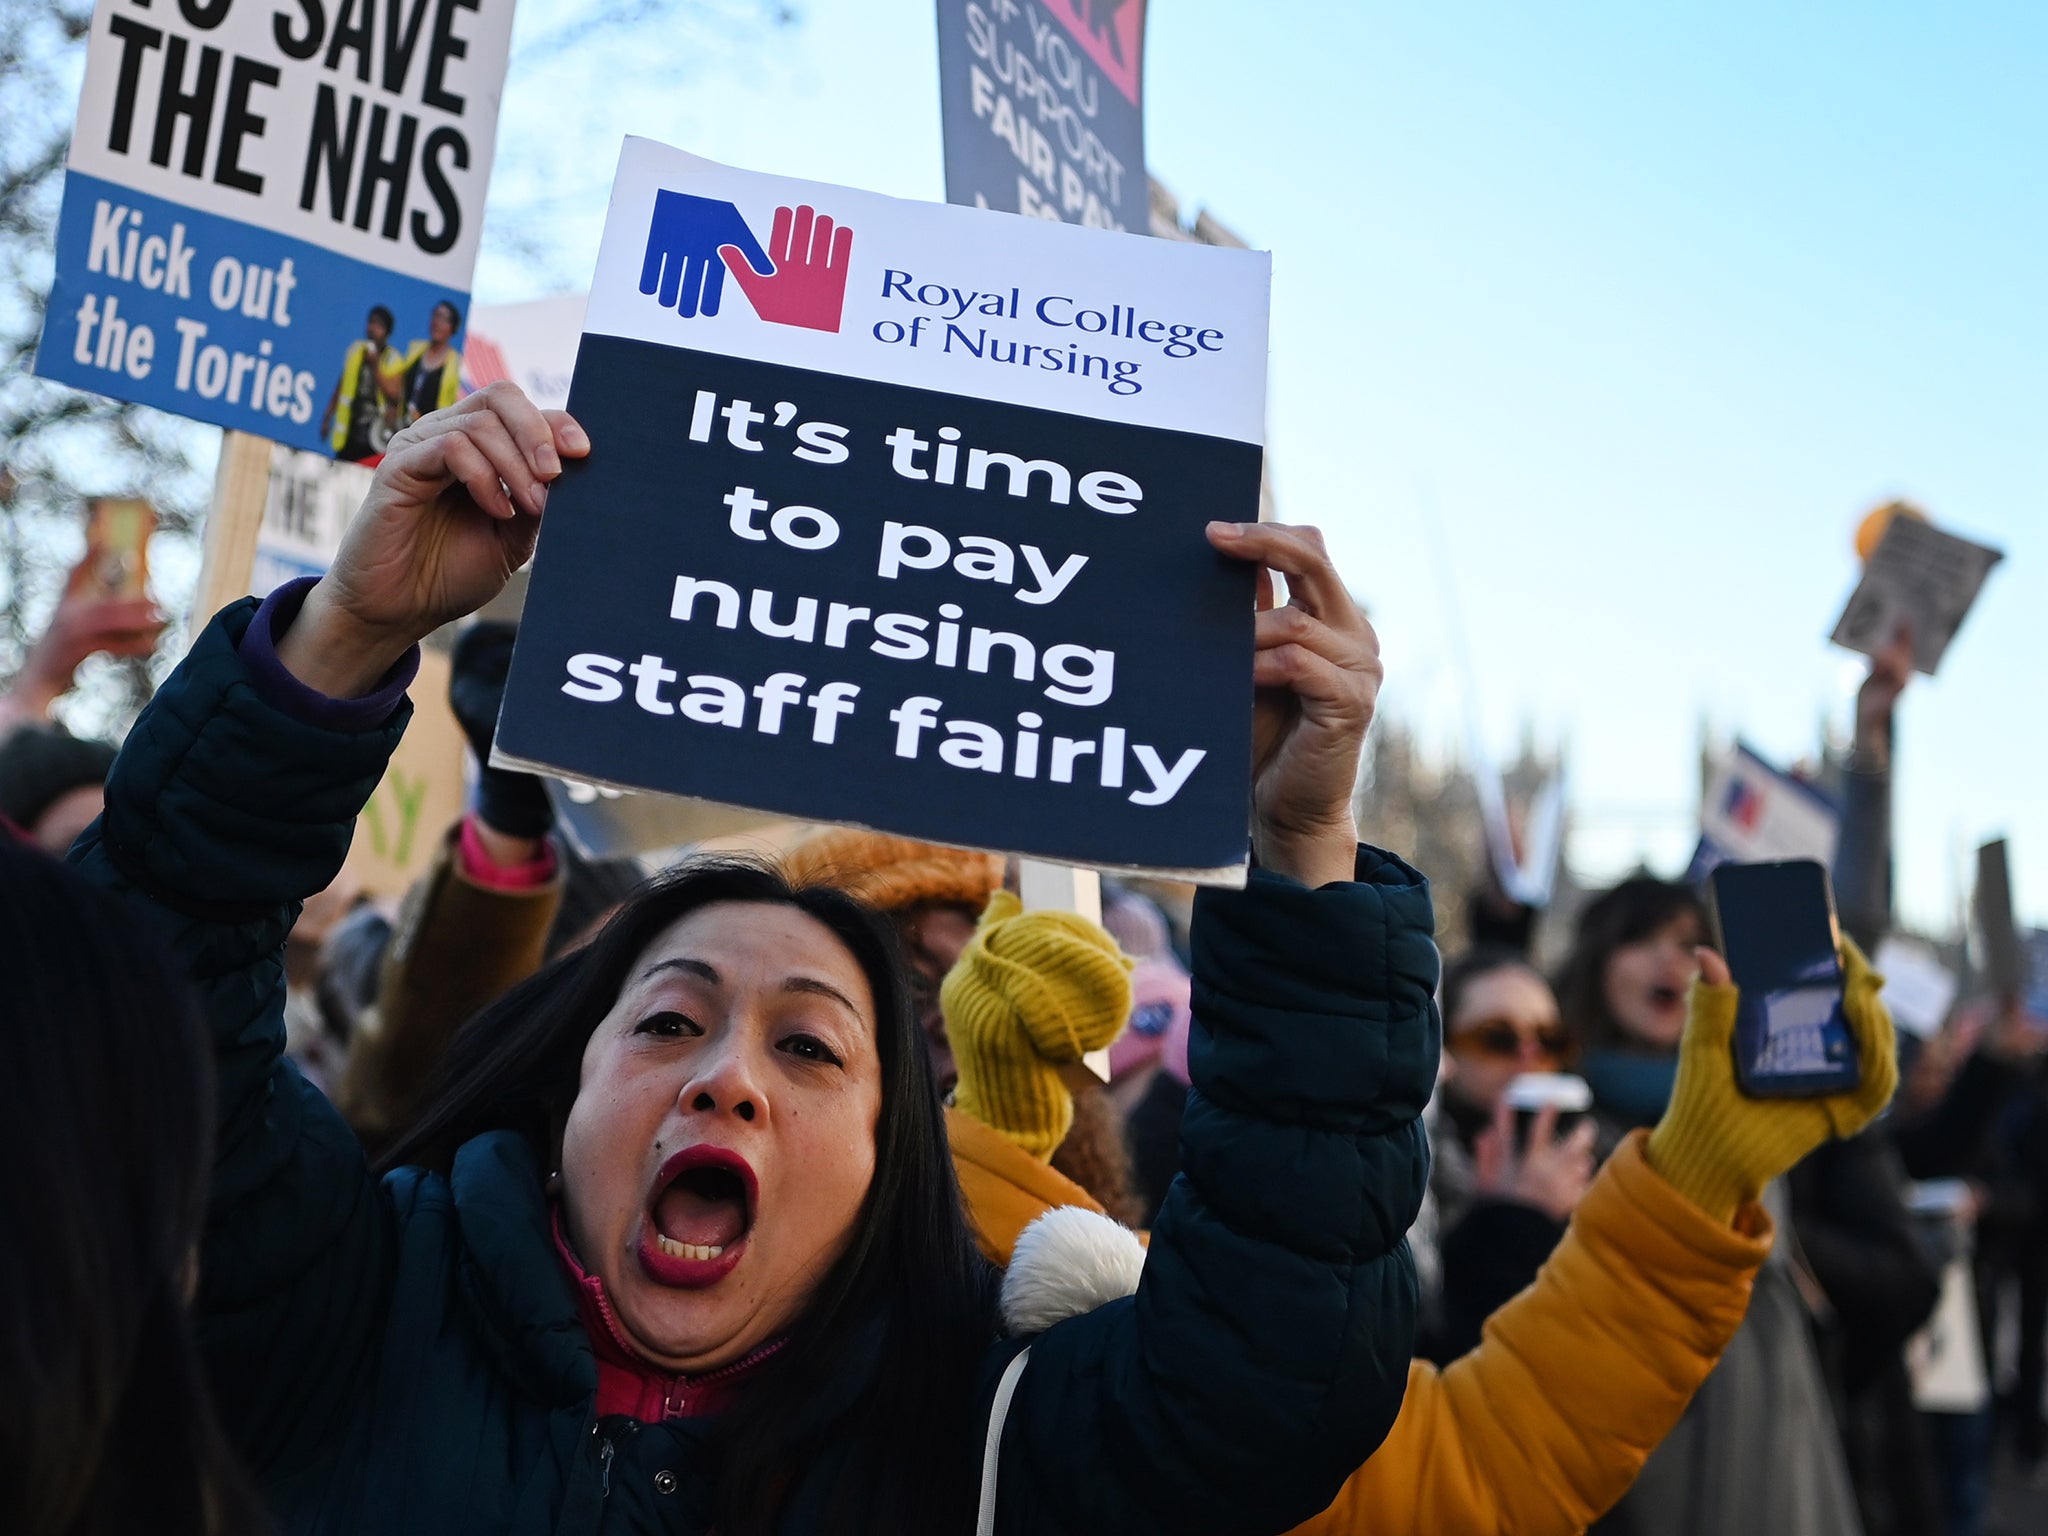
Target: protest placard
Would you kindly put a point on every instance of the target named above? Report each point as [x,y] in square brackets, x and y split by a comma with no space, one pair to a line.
[1754,813]
[306,508]
[903,526]
[1918,989]
[531,344]
[1919,576]
[271,212]
[1526,850]
[2005,961]
[421,794]
[1042,107]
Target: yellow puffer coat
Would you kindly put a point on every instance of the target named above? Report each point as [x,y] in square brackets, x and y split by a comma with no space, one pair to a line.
[1543,1427]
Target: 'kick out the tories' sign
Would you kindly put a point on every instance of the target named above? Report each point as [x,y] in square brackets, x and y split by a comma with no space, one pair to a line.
[272,208]
[894,516]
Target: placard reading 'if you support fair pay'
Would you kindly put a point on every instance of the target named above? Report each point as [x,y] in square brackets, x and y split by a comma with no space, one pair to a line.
[271,210]
[894,516]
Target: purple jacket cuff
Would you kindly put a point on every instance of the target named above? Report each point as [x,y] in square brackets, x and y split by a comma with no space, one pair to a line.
[286,694]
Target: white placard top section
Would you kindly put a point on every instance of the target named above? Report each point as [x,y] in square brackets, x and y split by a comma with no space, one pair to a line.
[365,128]
[962,301]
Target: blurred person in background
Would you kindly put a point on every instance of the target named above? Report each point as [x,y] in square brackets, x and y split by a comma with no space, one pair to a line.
[1502,1195]
[1975,1107]
[52,784]
[1148,1075]
[50,781]
[933,896]
[1622,993]
[1871,1279]
[86,623]
[318,1037]
[106,1132]
[1758,1449]
[2017,1232]
[503,896]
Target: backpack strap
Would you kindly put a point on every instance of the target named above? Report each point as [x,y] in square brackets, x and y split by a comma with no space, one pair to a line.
[985,1522]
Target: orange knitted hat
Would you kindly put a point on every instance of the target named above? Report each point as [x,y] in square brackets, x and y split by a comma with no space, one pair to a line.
[893,873]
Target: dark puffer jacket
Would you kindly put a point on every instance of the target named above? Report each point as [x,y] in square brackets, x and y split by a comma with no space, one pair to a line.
[405,1356]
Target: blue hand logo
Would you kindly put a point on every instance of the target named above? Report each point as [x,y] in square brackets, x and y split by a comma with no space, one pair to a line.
[682,267]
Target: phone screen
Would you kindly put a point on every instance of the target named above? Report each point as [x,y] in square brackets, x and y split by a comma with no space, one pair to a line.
[117,534]
[1778,933]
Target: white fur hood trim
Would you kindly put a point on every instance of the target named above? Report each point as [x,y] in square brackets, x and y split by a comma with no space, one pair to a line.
[1069,1261]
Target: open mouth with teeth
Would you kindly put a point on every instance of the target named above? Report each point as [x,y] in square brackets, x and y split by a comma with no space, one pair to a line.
[698,1217]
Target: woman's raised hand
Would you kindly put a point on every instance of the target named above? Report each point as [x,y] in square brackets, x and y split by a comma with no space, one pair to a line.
[1717,1146]
[453,512]
[1546,1170]
[1316,668]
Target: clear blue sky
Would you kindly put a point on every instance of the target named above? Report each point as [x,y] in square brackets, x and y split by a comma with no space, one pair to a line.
[1643,309]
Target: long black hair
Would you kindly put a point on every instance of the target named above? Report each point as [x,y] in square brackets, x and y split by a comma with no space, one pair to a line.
[907,1311]
[1633,911]
[106,1130]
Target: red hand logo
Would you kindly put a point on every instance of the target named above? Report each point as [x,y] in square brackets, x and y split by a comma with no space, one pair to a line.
[808,284]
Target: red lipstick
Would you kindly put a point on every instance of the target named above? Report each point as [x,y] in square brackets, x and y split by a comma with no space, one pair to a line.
[694,1265]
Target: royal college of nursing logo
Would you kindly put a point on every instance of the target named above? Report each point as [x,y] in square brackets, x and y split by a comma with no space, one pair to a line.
[692,242]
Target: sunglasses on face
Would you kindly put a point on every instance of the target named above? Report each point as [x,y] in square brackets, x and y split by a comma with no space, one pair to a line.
[1502,1040]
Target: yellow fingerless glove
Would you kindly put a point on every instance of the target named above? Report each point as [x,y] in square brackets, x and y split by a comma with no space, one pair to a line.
[1717,1146]
[1031,992]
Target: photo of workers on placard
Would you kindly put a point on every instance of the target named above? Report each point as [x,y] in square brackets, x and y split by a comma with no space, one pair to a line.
[357,421]
[428,375]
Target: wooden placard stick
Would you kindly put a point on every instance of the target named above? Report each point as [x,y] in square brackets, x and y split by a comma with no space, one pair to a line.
[241,486]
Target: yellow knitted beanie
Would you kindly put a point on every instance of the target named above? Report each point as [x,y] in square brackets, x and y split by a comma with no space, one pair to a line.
[1033,992]
[893,872]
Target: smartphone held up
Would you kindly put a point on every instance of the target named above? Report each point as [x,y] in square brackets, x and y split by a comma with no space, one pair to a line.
[1779,934]
[1533,1092]
[117,533]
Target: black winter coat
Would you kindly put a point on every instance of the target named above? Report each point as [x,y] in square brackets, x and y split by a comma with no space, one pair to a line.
[404,1356]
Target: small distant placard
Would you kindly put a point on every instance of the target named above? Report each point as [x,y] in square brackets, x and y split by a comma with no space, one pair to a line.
[532,345]
[2005,961]
[894,517]
[1755,813]
[1918,989]
[1918,576]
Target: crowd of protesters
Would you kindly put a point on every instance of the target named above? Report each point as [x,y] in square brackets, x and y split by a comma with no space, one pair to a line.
[747,1196]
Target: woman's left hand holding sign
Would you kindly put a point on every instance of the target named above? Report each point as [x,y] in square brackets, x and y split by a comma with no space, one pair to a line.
[453,512]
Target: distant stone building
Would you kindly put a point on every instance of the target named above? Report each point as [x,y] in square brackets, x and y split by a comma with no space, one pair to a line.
[1428,813]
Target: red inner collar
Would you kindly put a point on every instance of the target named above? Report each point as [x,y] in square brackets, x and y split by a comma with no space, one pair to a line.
[628,1383]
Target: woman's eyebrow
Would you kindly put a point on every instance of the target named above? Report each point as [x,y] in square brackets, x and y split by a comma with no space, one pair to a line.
[697,968]
[819,988]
